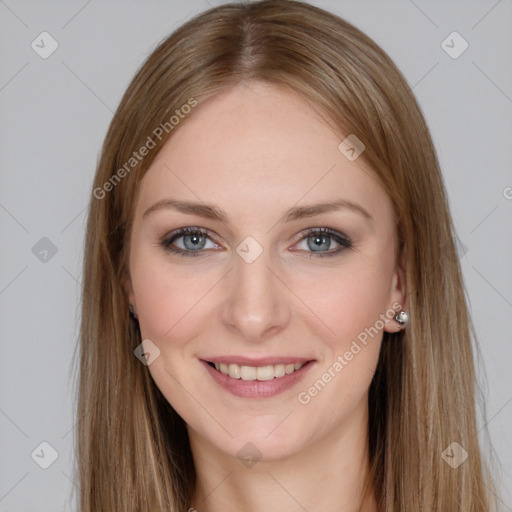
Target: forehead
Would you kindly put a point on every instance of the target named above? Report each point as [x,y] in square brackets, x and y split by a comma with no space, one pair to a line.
[256,146]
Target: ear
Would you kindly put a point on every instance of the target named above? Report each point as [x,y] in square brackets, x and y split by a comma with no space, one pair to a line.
[128,290]
[398,296]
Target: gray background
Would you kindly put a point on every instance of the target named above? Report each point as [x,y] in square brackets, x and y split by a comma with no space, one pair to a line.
[54,115]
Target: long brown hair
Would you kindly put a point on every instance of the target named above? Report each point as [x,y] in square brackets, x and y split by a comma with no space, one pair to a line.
[133,451]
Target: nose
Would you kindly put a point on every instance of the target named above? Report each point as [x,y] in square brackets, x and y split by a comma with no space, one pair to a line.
[257,306]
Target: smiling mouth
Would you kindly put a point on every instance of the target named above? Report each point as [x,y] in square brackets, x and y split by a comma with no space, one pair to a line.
[268,372]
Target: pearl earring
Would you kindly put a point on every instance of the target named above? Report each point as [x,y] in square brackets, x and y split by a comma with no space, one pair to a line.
[132,312]
[402,318]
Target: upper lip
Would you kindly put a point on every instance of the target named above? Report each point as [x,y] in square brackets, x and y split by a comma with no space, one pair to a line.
[256,361]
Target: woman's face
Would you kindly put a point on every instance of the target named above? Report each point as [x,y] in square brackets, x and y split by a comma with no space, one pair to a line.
[264,280]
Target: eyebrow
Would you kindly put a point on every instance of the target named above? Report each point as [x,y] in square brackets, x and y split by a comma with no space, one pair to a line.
[209,211]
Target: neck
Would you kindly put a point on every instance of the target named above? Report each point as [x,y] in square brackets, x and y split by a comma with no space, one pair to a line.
[327,475]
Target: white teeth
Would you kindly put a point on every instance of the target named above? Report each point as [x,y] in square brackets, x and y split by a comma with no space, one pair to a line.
[265,373]
[279,370]
[268,372]
[247,372]
[234,371]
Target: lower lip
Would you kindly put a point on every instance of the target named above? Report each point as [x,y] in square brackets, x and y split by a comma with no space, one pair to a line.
[257,388]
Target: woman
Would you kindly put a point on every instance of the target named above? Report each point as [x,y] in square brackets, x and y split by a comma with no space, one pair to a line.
[273,314]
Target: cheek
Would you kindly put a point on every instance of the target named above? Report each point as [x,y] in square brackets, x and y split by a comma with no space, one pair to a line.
[354,309]
[349,300]
[168,296]
[351,346]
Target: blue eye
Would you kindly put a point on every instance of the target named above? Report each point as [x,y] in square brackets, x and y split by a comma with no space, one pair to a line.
[194,242]
[319,240]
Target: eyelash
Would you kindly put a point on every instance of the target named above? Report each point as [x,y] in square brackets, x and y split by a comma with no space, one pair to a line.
[340,238]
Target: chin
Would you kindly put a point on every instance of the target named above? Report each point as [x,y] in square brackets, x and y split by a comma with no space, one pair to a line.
[253,441]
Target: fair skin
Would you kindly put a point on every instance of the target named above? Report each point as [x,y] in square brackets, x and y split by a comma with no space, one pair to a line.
[255,151]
